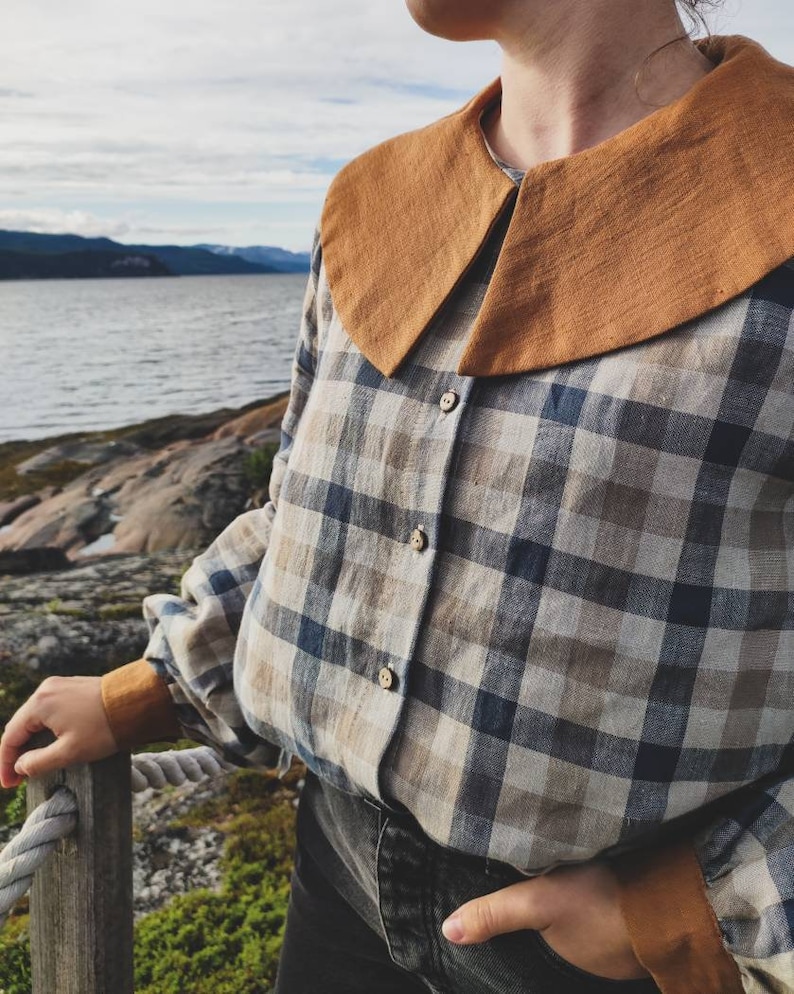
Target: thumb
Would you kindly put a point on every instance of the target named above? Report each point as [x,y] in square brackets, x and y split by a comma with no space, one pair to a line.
[35,762]
[506,910]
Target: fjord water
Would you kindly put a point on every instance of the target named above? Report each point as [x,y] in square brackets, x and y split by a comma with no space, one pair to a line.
[90,354]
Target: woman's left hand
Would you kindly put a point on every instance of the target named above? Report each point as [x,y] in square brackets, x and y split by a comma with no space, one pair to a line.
[575,908]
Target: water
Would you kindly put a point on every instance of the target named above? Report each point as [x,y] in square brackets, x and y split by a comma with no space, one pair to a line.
[79,355]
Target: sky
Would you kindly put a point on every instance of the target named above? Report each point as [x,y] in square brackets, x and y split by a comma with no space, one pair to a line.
[224,121]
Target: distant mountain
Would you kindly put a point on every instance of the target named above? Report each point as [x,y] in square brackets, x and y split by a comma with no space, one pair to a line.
[78,265]
[266,255]
[172,260]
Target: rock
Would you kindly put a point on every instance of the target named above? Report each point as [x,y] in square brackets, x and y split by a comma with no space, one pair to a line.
[169,860]
[253,424]
[47,643]
[69,520]
[81,450]
[87,619]
[9,510]
[133,499]
[179,497]
[160,432]
[35,559]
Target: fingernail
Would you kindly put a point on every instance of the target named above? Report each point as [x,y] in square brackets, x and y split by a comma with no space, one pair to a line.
[453,929]
[20,769]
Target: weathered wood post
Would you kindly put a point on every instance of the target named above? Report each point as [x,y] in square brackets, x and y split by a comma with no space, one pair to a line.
[81,899]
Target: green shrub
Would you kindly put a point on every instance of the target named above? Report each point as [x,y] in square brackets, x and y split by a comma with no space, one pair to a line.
[16,809]
[227,942]
[205,942]
[15,975]
[258,465]
[17,683]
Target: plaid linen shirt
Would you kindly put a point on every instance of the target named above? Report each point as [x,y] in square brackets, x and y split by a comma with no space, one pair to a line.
[550,613]
[591,637]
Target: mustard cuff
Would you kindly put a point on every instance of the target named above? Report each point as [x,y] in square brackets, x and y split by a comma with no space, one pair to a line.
[139,706]
[672,926]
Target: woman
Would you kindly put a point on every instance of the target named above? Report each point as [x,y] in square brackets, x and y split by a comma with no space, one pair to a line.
[520,598]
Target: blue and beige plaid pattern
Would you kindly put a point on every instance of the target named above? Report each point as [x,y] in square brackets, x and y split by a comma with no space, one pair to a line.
[596,637]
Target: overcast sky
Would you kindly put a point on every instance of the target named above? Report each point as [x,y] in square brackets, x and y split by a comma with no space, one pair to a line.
[225,120]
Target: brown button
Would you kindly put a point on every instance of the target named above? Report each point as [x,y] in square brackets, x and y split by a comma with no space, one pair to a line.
[386,678]
[449,401]
[418,539]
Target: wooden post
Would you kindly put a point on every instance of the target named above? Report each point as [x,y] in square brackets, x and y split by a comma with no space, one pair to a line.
[81,899]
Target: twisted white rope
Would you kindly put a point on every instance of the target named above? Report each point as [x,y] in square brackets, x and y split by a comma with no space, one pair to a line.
[178,766]
[57,816]
[25,853]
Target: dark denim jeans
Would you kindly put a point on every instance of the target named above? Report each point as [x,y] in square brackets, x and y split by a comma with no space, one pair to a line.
[370,892]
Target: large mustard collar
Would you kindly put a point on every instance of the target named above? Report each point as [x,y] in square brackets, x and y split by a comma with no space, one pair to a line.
[608,247]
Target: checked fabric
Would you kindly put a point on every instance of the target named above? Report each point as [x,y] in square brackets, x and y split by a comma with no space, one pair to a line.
[592,641]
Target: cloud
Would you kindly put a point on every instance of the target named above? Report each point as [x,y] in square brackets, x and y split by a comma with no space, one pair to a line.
[53,221]
[143,226]
[433,91]
[250,101]
[224,91]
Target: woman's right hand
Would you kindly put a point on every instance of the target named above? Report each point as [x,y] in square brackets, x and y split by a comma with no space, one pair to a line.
[71,707]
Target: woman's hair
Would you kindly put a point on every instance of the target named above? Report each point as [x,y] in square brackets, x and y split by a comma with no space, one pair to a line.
[694,11]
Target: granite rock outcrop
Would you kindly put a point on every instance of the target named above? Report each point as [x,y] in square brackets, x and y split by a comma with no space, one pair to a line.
[86,619]
[175,486]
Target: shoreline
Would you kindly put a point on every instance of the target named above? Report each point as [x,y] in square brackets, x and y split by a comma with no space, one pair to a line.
[167,483]
[150,433]
[147,276]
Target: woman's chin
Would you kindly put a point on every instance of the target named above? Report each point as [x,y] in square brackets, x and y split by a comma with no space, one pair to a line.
[454,20]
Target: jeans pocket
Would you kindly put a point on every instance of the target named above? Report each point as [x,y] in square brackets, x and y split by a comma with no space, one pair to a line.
[588,982]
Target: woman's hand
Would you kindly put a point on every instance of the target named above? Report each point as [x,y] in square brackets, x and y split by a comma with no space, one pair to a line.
[71,707]
[576,910]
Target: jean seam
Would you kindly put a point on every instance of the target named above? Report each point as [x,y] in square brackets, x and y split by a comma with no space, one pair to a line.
[383,822]
[437,978]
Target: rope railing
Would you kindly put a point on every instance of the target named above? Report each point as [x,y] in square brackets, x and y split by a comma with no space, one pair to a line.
[56,818]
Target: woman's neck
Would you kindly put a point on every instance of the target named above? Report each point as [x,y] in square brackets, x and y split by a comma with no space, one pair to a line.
[578,77]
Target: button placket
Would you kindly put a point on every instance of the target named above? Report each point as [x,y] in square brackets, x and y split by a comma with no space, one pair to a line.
[424,496]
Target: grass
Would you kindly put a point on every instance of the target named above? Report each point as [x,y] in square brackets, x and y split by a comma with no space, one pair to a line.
[117,612]
[208,942]
[56,606]
[13,485]
[15,975]
[203,942]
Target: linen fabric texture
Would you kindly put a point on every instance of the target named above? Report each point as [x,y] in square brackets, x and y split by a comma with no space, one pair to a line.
[597,638]
[592,654]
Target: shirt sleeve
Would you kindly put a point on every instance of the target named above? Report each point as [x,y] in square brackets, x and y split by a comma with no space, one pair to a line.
[184,682]
[716,913]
